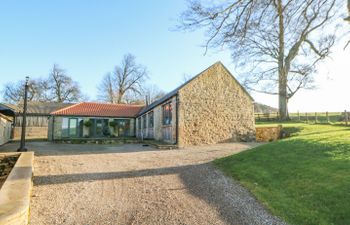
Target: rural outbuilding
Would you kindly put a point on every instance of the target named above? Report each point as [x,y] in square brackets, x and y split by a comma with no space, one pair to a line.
[210,108]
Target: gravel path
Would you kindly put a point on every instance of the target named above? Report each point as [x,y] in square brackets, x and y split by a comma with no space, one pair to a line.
[131,184]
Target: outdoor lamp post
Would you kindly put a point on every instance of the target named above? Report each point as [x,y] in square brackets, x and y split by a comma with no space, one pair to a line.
[348,18]
[22,147]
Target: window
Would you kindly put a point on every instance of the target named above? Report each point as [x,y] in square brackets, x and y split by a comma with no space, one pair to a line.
[144,120]
[65,127]
[122,127]
[139,122]
[69,127]
[167,114]
[73,123]
[150,119]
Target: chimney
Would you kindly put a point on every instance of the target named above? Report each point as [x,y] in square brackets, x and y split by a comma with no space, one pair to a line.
[147,100]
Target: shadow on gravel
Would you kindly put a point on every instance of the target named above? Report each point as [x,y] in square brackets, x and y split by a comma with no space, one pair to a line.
[52,149]
[232,202]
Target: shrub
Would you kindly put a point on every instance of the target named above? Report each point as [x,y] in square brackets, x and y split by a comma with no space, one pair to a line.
[87,123]
[112,123]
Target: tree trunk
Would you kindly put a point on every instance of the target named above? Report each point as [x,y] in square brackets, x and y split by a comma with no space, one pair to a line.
[282,96]
[120,97]
[282,72]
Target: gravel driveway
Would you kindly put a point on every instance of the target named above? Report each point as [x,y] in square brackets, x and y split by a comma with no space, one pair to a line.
[132,184]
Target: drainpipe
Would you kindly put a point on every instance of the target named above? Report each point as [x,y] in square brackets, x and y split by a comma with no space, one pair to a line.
[53,129]
[177,120]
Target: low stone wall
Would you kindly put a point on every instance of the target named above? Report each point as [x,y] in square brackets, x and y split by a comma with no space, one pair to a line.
[31,132]
[265,134]
[16,191]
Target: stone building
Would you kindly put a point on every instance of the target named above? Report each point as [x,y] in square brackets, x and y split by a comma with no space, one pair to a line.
[210,108]
[37,118]
[93,120]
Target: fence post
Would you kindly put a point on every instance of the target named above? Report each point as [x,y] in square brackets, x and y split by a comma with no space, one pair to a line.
[278,116]
[346,118]
[315,117]
[307,118]
[298,116]
[327,117]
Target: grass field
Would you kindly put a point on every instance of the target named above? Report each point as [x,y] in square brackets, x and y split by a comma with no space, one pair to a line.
[304,179]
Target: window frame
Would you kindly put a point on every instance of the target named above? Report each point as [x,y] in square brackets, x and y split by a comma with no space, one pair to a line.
[167,111]
[139,123]
[144,121]
[151,119]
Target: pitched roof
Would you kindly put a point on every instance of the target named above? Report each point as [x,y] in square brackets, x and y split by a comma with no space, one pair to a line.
[99,110]
[6,117]
[5,110]
[42,108]
[175,91]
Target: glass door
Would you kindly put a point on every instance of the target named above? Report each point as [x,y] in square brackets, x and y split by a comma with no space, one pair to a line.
[73,124]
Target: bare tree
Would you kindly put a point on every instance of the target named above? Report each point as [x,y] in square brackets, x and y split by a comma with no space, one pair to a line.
[63,88]
[280,41]
[125,84]
[106,90]
[13,92]
[152,93]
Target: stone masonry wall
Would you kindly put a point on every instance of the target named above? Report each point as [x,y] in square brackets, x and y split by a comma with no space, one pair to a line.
[214,109]
[264,134]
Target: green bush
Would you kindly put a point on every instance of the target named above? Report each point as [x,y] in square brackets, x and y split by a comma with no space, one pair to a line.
[87,123]
[112,123]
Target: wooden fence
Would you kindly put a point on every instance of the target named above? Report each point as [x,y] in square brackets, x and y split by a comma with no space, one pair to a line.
[308,117]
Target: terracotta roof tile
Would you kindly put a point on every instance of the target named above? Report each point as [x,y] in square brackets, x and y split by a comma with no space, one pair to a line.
[100,110]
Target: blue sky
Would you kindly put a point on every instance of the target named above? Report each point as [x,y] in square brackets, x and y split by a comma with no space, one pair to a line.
[88,38]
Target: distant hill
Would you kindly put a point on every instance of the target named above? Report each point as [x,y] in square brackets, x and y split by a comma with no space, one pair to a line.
[261,108]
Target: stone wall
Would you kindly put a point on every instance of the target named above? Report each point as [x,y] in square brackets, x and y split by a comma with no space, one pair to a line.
[265,134]
[214,108]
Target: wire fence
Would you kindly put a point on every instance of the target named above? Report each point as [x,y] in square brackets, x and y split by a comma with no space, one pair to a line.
[308,117]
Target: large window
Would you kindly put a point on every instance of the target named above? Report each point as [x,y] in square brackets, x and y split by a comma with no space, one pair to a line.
[73,124]
[122,127]
[139,122]
[144,120]
[99,128]
[69,127]
[167,114]
[150,120]
[65,127]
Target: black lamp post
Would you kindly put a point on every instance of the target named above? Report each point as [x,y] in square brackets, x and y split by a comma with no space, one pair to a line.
[22,147]
[348,18]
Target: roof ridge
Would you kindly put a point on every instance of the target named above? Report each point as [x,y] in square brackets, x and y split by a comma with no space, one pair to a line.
[116,104]
[68,107]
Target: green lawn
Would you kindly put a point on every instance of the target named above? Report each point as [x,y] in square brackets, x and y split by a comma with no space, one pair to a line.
[304,179]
